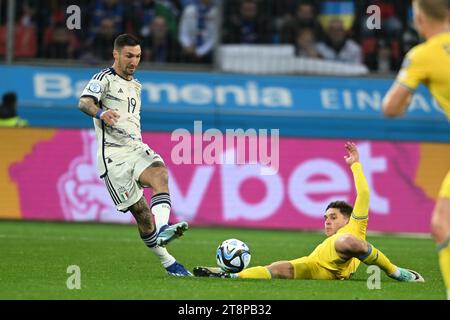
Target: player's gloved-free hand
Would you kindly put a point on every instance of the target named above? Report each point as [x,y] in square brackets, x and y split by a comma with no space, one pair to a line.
[110,117]
[353,154]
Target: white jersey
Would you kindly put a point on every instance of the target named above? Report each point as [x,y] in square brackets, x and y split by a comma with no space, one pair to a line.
[112,92]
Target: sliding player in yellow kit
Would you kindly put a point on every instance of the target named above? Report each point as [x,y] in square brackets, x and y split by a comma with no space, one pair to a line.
[338,256]
[429,63]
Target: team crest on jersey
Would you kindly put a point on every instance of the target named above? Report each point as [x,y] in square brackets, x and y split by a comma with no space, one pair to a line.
[95,87]
[123,194]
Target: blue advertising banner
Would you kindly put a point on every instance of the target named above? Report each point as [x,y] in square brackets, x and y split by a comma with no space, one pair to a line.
[287,102]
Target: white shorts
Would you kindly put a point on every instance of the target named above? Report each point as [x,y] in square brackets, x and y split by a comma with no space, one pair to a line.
[122,177]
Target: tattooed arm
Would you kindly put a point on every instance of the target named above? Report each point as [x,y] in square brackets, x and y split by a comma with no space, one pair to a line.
[89,107]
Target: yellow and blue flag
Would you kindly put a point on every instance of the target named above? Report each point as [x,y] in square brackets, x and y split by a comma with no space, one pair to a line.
[343,10]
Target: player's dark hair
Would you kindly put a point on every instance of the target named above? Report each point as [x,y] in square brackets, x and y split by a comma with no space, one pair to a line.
[343,206]
[126,39]
[435,9]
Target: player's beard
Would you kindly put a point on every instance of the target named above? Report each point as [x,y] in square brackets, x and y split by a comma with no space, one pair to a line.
[126,70]
[129,71]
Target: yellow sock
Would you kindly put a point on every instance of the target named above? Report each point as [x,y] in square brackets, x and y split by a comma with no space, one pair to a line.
[255,273]
[376,257]
[444,261]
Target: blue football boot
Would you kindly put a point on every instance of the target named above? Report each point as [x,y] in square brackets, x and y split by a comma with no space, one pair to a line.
[168,233]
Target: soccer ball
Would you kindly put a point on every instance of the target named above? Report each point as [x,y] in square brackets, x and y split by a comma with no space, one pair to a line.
[233,255]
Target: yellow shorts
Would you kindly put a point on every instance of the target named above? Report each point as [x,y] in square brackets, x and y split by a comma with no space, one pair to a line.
[445,187]
[307,268]
[324,263]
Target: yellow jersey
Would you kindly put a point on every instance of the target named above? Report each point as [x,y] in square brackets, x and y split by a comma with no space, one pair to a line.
[324,262]
[429,63]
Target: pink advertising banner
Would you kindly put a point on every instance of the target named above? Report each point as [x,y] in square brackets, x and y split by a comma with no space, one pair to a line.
[56,179]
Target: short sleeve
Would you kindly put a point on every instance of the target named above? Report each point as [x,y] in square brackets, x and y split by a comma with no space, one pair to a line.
[96,87]
[413,70]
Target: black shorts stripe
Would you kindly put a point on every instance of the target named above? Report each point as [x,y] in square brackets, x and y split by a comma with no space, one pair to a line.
[116,202]
[112,191]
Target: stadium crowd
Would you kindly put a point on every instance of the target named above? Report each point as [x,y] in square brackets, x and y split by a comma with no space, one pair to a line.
[186,31]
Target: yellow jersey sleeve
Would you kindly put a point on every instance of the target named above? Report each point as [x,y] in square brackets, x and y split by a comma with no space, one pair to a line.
[357,224]
[445,188]
[429,63]
[361,207]
[414,69]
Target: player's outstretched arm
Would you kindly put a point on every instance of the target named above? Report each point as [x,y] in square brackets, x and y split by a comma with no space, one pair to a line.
[361,208]
[396,100]
[88,106]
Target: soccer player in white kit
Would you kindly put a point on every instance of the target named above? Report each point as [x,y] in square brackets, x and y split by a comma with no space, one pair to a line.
[126,164]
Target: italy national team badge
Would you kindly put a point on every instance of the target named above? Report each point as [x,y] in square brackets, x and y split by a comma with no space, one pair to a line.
[95,87]
[124,196]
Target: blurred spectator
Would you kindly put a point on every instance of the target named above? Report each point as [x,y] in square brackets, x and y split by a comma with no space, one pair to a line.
[190,30]
[25,38]
[337,46]
[185,3]
[248,26]
[385,63]
[391,23]
[410,37]
[386,39]
[285,9]
[305,17]
[144,12]
[111,9]
[305,44]
[26,13]
[198,31]
[159,46]
[8,112]
[102,45]
[58,41]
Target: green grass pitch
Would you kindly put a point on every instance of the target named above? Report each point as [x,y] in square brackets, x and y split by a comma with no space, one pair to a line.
[115,264]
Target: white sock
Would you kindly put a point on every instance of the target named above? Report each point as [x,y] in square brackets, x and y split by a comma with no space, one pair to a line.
[160,208]
[396,273]
[164,256]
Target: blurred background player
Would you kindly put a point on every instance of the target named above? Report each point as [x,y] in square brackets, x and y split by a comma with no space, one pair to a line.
[125,163]
[8,112]
[429,63]
[338,256]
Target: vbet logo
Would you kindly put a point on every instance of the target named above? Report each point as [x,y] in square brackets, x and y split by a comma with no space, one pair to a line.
[200,184]
[297,186]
